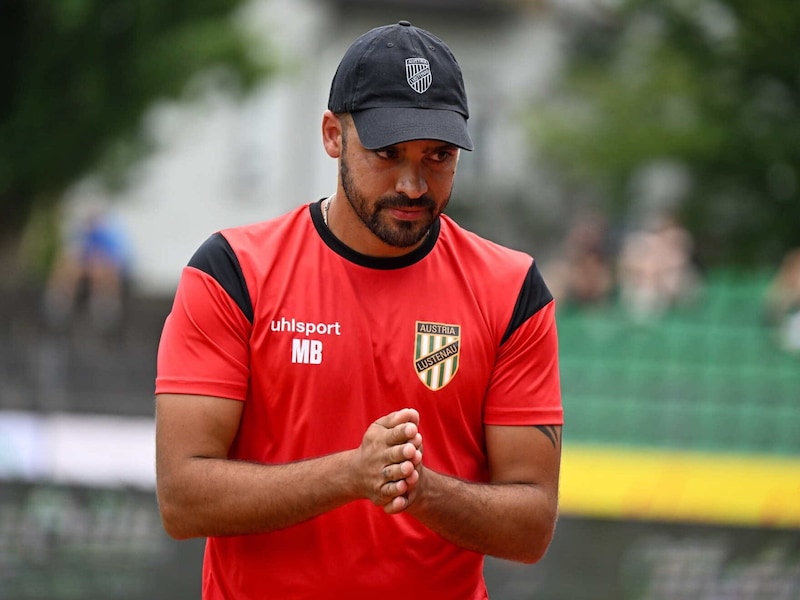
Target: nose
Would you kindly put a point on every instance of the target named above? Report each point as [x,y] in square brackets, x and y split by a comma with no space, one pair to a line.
[411,180]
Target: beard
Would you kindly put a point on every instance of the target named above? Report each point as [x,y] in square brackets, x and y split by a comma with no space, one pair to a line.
[393,232]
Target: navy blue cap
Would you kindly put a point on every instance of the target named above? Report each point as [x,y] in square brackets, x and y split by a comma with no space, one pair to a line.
[401,83]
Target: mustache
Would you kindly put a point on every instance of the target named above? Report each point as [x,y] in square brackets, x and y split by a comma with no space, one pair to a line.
[403,201]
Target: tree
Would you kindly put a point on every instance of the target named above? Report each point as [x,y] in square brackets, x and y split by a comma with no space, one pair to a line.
[78,76]
[709,87]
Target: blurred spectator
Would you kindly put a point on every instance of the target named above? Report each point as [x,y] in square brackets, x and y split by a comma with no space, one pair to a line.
[90,272]
[655,269]
[783,300]
[583,277]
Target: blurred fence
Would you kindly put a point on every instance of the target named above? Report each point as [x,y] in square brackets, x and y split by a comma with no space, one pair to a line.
[80,543]
[708,379]
[75,368]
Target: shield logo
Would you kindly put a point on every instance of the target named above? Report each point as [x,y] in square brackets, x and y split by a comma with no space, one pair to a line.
[418,74]
[437,349]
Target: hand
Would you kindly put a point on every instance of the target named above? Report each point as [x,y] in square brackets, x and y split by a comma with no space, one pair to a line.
[389,459]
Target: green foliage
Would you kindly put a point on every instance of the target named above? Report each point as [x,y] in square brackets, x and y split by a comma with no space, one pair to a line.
[78,75]
[711,85]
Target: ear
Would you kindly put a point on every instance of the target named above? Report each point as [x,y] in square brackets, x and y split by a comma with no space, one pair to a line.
[332,134]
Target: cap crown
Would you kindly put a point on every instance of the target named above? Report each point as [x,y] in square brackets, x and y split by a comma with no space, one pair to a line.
[398,66]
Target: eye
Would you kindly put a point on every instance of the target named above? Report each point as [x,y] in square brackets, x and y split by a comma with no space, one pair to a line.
[389,153]
[444,155]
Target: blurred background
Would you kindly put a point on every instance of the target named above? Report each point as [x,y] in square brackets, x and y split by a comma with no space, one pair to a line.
[647,152]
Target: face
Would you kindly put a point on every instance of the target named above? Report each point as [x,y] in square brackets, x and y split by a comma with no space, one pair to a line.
[397,191]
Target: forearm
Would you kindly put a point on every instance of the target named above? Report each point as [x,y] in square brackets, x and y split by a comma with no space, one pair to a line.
[217,497]
[514,521]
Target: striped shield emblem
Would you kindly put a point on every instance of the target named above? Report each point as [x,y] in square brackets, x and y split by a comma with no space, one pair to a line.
[436,353]
[418,74]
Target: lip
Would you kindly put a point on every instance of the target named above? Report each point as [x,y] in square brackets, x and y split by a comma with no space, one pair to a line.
[406,214]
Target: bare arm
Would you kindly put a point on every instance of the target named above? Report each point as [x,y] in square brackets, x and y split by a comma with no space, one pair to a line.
[201,492]
[511,517]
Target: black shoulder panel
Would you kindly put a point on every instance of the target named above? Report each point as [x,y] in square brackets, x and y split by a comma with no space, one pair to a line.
[216,258]
[533,296]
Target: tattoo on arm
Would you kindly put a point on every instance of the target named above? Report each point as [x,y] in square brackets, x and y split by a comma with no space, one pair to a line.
[552,432]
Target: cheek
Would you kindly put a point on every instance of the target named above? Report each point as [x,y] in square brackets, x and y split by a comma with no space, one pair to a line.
[442,179]
[367,169]
[371,183]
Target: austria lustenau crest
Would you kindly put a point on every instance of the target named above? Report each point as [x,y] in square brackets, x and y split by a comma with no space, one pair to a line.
[437,349]
[418,74]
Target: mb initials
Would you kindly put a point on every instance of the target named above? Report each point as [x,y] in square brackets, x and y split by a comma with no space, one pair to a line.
[306,351]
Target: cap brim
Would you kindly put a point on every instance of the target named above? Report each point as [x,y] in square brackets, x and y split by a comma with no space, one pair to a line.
[382,127]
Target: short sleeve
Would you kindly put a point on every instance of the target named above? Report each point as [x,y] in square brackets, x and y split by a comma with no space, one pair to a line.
[525,385]
[204,346]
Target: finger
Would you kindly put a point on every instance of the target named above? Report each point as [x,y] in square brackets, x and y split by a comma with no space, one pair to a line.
[409,414]
[405,432]
[417,459]
[403,501]
[397,493]
[398,471]
[402,453]
[412,478]
[397,505]
[405,415]
[394,489]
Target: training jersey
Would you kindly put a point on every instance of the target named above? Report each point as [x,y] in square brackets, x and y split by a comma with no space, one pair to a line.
[319,341]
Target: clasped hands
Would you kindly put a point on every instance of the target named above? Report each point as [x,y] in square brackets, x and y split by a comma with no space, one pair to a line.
[389,460]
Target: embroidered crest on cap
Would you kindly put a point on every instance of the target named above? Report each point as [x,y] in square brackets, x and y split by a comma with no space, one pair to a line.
[418,74]
[437,349]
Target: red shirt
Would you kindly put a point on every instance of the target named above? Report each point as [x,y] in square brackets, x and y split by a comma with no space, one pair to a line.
[319,341]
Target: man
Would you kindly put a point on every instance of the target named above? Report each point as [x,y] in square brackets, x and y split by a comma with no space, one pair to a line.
[306,359]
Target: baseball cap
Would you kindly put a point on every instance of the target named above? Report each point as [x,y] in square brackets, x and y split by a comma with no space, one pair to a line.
[401,83]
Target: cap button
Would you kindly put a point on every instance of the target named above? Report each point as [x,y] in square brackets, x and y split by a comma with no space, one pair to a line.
[404,23]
